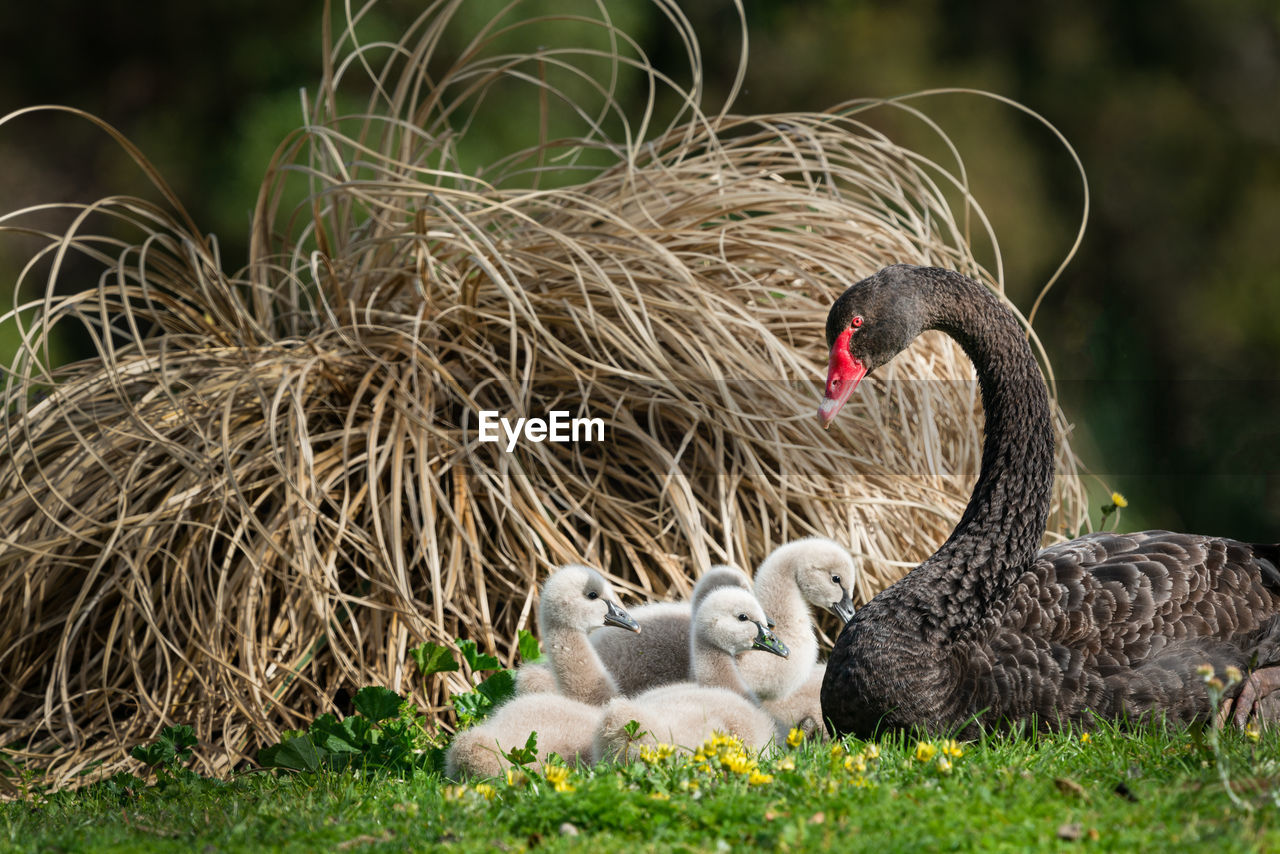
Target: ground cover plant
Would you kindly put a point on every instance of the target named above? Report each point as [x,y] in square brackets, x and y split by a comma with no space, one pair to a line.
[372,780]
[1098,789]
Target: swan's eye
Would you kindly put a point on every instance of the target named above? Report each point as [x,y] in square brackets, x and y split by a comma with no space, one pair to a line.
[856,322]
[743,617]
[836,579]
[593,595]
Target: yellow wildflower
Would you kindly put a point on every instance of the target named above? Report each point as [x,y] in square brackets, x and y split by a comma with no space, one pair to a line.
[1252,730]
[516,777]
[1233,674]
[925,751]
[655,754]
[453,793]
[871,751]
[737,762]
[944,765]
[786,763]
[837,750]
[795,738]
[720,739]
[951,747]
[659,796]
[1119,500]
[856,764]
[758,778]
[1085,738]
[1205,671]
[558,777]
[484,790]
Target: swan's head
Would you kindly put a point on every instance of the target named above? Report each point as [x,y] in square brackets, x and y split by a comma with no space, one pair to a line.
[868,325]
[730,619]
[824,571]
[580,598]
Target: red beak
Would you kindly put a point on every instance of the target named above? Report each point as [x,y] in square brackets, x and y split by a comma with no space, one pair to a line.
[844,372]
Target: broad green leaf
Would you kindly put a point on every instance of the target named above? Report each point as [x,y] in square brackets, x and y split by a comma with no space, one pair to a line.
[499,687]
[433,658]
[475,659]
[294,754]
[336,736]
[528,646]
[377,703]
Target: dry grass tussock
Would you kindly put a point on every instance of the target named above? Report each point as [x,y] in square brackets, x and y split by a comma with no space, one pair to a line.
[267,485]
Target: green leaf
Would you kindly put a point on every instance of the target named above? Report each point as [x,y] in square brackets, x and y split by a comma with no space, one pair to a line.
[337,736]
[433,658]
[499,687]
[297,753]
[475,659]
[377,703]
[521,756]
[183,738]
[471,706]
[528,646]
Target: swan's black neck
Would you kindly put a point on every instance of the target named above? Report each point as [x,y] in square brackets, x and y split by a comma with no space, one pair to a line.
[1005,519]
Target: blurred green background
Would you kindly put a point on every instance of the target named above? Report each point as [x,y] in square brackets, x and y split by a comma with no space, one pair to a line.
[1164,332]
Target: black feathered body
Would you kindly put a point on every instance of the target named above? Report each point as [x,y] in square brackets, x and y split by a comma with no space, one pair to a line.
[1113,625]
[992,632]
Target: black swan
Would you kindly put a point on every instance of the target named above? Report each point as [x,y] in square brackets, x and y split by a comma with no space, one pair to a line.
[992,632]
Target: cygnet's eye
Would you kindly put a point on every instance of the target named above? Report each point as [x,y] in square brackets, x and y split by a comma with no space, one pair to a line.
[836,579]
[593,595]
[743,617]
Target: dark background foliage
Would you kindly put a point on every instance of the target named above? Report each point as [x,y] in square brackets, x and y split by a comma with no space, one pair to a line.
[1163,331]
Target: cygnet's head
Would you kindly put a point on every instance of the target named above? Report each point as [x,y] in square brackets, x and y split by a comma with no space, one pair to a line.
[579,598]
[824,572]
[720,575]
[729,618]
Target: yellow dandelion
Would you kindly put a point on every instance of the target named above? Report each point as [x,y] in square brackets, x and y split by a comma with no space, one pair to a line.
[952,748]
[1119,500]
[872,752]
[786,763]
[1085,738]
[759,778]
[737,762]
[558,777]
[720,740]
[795,738]
[944,765]
[925,751]
[856,764]
[484,790]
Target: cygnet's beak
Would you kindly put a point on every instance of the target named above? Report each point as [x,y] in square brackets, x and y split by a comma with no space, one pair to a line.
[844,608]
[615,616]
[769,642]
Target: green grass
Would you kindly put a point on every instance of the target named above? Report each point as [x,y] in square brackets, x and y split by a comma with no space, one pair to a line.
[1125,791]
